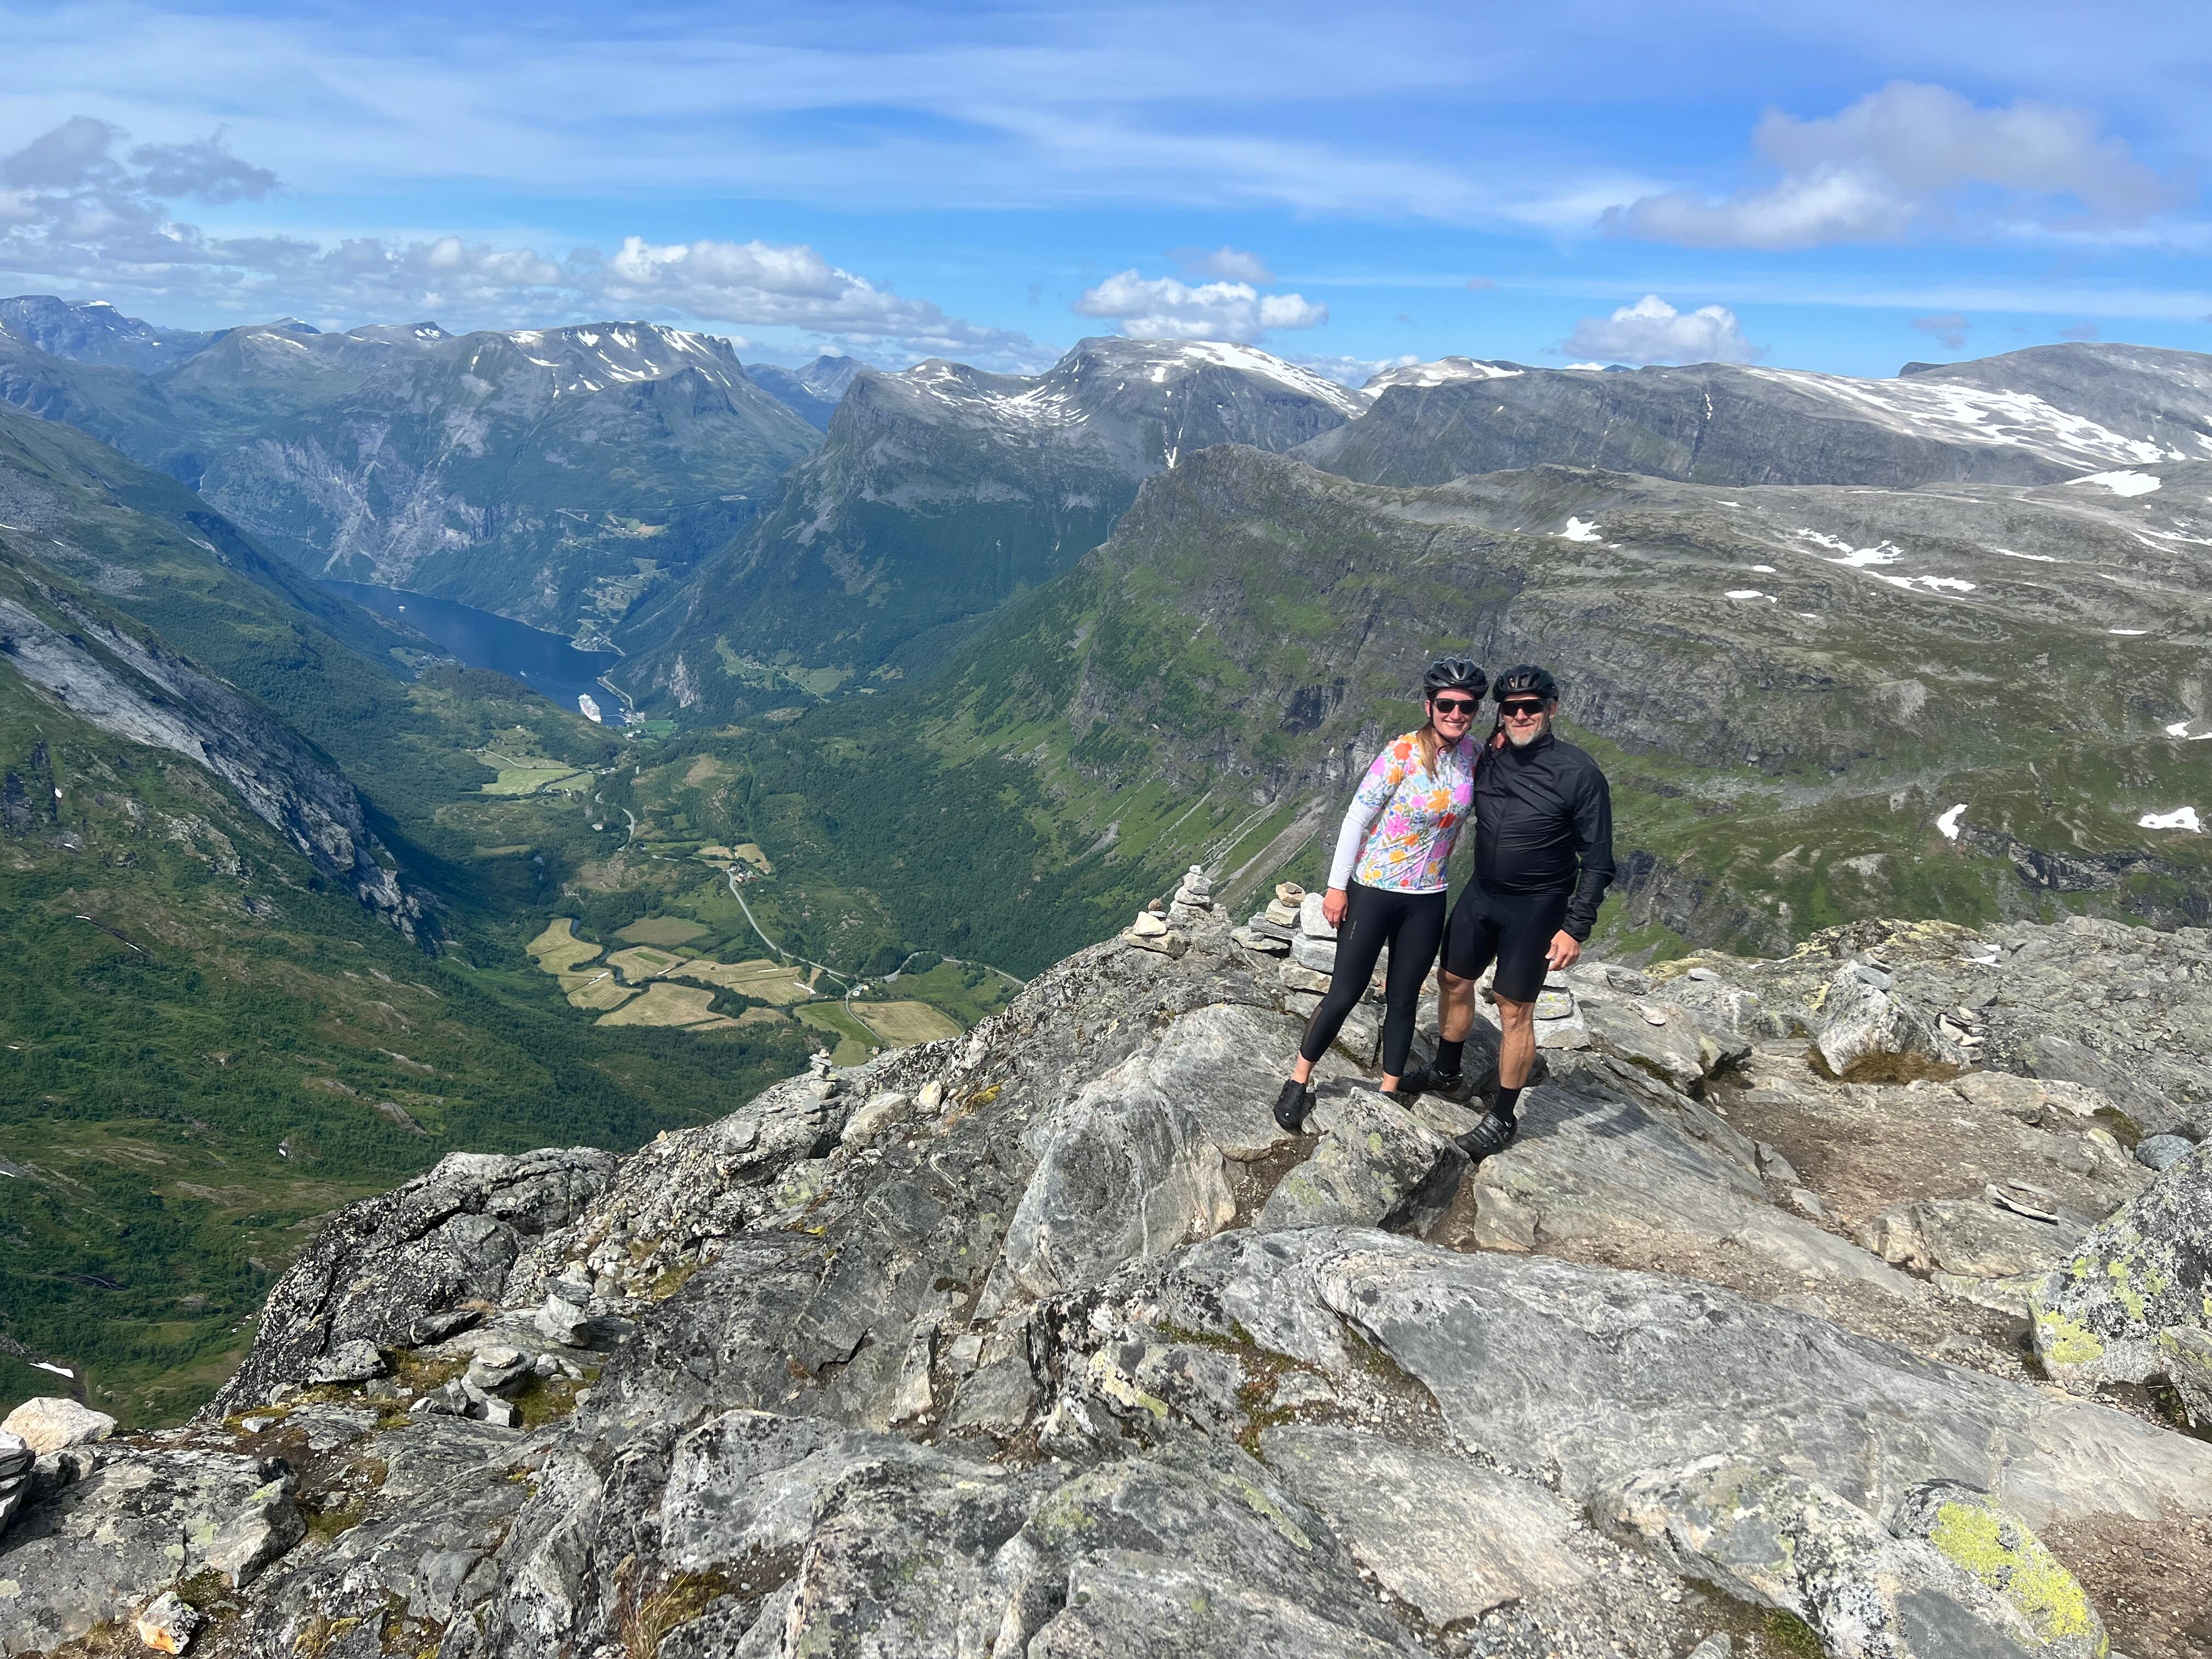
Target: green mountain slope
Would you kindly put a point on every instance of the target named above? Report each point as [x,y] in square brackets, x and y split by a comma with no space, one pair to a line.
[213,1033]
[1791,687]
[938,495]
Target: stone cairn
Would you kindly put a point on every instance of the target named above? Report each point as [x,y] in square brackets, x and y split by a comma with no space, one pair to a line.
[1157,925]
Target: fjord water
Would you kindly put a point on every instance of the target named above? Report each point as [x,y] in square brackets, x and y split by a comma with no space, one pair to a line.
[545,662]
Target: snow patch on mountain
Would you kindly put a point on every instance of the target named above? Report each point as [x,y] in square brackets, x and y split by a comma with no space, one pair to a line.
[2182,818]
[2124,483]
[1880,553]
[1972,415]
[1444,371]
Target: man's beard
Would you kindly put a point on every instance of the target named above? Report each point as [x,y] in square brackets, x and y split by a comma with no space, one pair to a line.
[1520,740]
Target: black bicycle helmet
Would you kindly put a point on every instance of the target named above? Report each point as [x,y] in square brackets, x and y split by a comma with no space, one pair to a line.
[1525,680]
[1455,674]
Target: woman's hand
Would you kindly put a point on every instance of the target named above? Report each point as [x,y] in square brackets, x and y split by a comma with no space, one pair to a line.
[1333,904]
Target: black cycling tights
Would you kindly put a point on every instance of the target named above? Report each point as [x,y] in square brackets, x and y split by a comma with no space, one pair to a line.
[1412,925]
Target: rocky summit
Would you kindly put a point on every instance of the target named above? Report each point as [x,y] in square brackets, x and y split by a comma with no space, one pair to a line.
[1824,1303]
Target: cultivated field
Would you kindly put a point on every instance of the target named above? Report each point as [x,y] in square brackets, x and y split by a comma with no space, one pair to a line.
[661,930]
[761,979]
[900,1023]
[854,1041]
[664,1004]
[642,962]
[596,988]
[558,951]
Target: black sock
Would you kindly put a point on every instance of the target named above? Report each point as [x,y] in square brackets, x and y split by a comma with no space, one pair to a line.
[1447,1054]
[1507,1100]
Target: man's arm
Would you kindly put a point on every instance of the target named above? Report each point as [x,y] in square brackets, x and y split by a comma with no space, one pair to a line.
[1594,849]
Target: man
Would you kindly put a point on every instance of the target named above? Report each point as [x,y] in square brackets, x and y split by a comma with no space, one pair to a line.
[1543,858]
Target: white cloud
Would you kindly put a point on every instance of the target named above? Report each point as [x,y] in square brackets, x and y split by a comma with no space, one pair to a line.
[1909,159]
[74,212]
[1653,331]
[1162,308]
[1227,263]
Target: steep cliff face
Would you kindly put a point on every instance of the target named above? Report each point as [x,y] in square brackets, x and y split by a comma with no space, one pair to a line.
[1047,1340]
[124,681]
[553,475]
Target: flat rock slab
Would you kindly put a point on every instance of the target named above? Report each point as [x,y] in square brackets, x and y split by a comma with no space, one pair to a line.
[1603,1373]
[1450,1537]
[1592,1169]
[1973,1239]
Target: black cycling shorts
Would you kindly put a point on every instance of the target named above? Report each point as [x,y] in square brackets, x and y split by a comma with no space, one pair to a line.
[1514,930]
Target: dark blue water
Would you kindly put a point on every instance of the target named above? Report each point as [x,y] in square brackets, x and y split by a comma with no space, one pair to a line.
[545,662]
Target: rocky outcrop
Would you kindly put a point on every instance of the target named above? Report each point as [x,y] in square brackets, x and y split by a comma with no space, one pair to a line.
[391,1269]
[2132,1303]
[1046,1340]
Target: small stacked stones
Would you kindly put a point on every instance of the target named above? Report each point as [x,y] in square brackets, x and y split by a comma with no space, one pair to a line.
[1271,930]
[1192,899]
[1151,931]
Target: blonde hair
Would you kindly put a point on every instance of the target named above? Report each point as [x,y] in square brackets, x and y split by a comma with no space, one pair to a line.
[1427,742]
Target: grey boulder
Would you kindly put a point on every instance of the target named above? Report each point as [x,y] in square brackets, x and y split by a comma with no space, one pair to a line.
[1130,1172]
[2129,1305]
[1778,1540]
[50,1424]
[1974,1533]
[2162,1152]
[1377,1165]
[255,1534]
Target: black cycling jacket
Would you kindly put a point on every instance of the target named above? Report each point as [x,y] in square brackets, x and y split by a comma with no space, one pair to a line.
[1544,823]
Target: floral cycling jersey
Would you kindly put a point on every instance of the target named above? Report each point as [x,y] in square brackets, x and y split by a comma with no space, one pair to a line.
[1398,830]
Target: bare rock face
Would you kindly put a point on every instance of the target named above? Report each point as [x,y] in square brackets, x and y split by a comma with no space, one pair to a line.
[1047,1340]
[102,1548]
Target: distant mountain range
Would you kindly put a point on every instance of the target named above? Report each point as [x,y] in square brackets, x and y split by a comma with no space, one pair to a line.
[1745,572]
[940,493]
[556,475]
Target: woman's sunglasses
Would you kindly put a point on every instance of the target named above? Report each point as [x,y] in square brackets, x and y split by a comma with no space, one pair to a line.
[1454,705]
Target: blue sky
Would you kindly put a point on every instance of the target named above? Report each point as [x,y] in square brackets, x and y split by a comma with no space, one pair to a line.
[1822,185]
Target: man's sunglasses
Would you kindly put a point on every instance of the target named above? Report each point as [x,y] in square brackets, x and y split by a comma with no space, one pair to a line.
[1455,705]
[1521,711]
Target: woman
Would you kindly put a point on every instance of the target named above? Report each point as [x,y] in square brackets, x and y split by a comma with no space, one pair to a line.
[1386,884]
